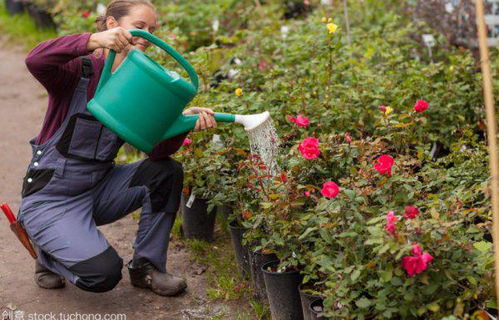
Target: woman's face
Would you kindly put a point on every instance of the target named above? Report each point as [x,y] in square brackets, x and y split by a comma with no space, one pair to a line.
[140,17]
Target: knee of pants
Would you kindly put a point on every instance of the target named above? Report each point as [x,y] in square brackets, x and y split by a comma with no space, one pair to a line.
[164,179]
[177,171]
[100,273]
[152,172]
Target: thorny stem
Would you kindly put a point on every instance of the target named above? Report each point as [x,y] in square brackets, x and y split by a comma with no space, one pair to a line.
[260,183]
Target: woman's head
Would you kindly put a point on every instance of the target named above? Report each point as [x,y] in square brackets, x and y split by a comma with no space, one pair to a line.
[130,14]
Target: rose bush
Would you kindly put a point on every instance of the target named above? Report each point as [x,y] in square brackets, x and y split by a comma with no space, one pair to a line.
[378,222]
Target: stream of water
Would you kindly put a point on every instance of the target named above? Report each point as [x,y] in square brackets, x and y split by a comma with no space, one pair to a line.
[264,142]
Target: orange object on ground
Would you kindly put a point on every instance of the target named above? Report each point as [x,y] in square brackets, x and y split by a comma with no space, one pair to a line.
[18,229]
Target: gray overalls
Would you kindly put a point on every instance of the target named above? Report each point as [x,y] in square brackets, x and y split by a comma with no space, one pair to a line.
[73,185]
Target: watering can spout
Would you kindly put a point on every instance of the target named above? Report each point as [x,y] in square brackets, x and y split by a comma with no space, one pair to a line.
[185,124]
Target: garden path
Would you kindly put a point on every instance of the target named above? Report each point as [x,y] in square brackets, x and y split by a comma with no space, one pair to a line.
[22,106]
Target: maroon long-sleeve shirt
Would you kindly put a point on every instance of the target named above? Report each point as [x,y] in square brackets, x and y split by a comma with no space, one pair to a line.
[55,65]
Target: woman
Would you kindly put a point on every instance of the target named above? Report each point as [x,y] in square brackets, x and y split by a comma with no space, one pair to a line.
[72,184]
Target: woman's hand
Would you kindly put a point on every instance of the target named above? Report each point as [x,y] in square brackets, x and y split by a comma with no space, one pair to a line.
[117,39]
[206,119]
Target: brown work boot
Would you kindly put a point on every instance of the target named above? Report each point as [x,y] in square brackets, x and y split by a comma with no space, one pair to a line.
[163,284]
[46,279]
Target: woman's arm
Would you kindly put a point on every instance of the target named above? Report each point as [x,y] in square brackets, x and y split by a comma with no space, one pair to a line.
[51,63]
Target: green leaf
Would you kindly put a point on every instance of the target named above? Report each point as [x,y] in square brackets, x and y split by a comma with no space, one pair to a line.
[374,241]
[363,303]
[386,276]
[306,233]
[482,246]
[355,275]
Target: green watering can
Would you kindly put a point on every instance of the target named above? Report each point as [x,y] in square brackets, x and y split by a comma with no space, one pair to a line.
[142,102]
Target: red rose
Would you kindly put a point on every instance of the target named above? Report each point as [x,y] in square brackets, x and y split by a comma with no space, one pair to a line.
[300,120]
[384,165]
[411,212]
[390,228]
[283,177]
[382,108]
[309,148]
[330,189]
[420,106]
[86,13]
[417,263]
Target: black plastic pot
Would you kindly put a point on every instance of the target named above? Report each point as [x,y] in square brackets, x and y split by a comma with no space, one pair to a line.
[242,259]
[197,222]
[315,314]
[282,292]
[14,7]
[225,211]
[42,18]
[306,300]
[257,260]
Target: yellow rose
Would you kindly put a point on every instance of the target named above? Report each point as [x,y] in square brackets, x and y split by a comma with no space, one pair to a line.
[331,27]
[330,20]
[451,68]
[239,92]
[388,110]
[324,19]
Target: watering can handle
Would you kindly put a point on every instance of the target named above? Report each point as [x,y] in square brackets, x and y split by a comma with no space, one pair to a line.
[106,72]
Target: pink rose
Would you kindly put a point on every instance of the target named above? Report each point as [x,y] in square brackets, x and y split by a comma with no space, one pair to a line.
[347,137]
[330,189]
[309,148]
[411,212]
[390,217]
[417,263]
[187,142]
[300,120]
[420,106]
[262,65]
[384,165]
[307,193]
[382,108]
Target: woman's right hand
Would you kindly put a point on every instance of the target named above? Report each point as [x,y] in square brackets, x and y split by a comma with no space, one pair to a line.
[117,39]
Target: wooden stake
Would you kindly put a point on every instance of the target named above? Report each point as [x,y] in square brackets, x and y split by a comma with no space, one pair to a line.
[491,133]
[347,21]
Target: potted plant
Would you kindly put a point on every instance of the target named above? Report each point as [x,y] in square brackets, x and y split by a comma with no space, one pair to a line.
[281,283]
[201,193]
[14,6]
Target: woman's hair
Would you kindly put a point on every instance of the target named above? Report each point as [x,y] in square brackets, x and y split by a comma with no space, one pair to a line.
[119,9]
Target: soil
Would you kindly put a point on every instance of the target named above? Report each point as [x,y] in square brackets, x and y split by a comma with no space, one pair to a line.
[22,107]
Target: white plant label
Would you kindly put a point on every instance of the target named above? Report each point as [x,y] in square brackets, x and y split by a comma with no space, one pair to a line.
[429,40]
[190,201]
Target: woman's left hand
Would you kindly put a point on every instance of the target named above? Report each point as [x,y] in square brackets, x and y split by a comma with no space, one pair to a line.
[206,119]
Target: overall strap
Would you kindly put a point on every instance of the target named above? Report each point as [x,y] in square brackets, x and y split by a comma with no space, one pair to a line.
[79,102]
[87,69]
